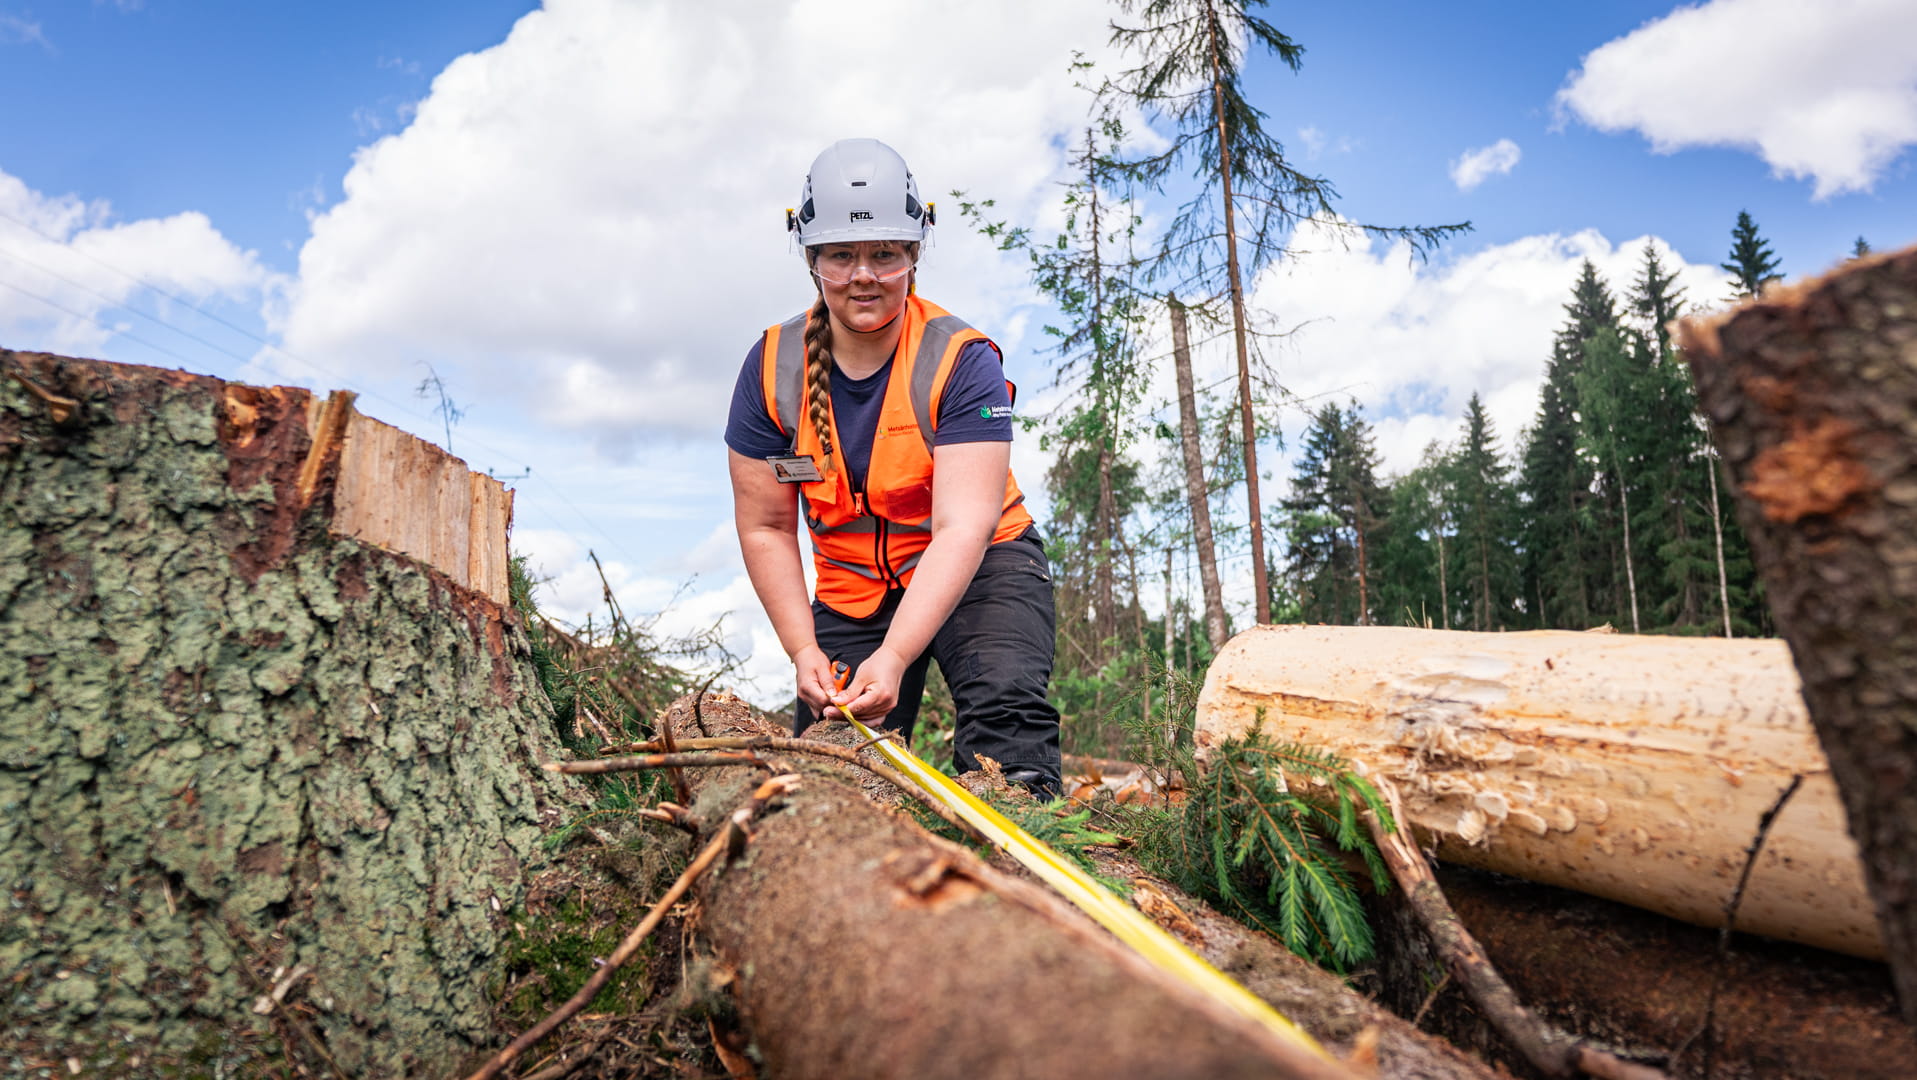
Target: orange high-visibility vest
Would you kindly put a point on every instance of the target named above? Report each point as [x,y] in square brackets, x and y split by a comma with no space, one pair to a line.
[865,544]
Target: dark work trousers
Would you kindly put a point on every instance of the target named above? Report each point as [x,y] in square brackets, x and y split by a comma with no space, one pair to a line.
[995,651]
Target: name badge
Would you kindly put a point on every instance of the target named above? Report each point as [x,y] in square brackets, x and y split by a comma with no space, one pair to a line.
[794,469]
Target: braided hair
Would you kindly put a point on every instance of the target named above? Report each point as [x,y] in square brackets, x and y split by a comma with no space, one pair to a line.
[818,375]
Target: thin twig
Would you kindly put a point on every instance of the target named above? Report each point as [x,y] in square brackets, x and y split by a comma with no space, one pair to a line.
[1705,1028]
[628,948]
[598,725]
[235,937]
[1549,1050]
[1431,998]
[817,749]
[698,700]
[567,1068]
[597,766]
[679,785]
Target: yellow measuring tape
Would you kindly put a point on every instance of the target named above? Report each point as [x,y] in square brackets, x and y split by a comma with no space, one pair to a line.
[1125,921]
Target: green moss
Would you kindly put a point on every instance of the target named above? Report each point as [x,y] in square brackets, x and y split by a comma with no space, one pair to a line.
[547,958]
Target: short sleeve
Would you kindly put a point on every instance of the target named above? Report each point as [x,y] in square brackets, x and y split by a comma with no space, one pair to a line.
[750,429]
[976,406]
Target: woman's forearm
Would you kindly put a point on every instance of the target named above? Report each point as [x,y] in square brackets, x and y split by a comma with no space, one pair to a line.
[777,576]
[944,572]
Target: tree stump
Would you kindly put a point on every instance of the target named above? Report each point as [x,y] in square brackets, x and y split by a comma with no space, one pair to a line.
[1811,392]
[265,789]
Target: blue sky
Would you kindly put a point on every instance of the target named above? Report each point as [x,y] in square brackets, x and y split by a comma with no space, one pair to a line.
[573,218]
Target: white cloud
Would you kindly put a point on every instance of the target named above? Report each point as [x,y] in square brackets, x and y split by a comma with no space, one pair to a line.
[1411,341]
[69,269]
[1476,166]
[588,217]
[1823,90]
[20,30]
[1317,142]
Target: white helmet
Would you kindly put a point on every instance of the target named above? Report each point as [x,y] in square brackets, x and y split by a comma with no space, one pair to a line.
[859,189]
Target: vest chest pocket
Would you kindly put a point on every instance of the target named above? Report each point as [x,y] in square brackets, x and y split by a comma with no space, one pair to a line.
[910,502]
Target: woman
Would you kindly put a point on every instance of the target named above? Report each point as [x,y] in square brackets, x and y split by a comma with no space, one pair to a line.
[888,423]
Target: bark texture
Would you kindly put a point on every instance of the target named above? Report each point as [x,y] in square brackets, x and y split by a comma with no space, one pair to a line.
[1635,768]
[1811,392]
[858,945]
[234,745]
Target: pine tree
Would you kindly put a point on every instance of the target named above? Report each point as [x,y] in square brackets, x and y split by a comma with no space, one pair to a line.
[1484,506]
[1190,73]
[1752,265]
[1860,249]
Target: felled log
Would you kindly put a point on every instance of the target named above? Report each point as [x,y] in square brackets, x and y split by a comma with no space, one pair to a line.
[1811,393]
[857,944]
[266,741]
[1634,768]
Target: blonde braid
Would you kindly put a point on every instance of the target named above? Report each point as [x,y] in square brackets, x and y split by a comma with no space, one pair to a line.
[818,375]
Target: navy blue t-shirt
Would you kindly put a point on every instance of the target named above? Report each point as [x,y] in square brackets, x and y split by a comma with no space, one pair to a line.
[974,408]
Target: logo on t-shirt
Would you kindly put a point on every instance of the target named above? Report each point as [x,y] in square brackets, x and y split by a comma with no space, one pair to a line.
[995,412]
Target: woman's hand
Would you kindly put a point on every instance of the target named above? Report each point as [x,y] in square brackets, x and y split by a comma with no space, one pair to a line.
[813,673]
[874,688]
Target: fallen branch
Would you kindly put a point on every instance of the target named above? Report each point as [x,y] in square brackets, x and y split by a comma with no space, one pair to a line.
[789,745]
[1549,1050]
[597,766]
[725,839]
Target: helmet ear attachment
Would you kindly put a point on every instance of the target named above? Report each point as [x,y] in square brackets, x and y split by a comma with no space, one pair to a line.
[931,213]
[791,220]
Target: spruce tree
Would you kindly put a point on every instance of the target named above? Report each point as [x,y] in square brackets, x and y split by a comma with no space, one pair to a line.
[1564,568]
[1752,265]
[1334,518]
[1860,249]
[1484,505]
[1418,546]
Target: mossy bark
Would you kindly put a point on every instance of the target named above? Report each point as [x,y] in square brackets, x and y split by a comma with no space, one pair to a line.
[1812,396]
[233,745]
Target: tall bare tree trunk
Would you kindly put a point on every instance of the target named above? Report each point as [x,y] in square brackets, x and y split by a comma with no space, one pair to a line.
[1812,396]
[1717,535]
[1630,567]
[1261,600]
[1105,595]
[1197,491]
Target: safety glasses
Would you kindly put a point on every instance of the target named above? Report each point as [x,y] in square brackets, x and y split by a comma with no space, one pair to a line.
[839,264]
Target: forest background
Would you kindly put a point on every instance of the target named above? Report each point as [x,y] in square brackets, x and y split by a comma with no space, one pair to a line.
[546,237]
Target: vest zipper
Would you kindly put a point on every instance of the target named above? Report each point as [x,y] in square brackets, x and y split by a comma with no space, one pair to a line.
[879,532]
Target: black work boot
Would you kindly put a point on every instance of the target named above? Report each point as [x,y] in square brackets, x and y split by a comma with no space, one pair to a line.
[1044,788]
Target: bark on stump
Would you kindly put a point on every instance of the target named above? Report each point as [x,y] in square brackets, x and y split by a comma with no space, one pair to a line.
[856,944]
[1811,392]
[236,747]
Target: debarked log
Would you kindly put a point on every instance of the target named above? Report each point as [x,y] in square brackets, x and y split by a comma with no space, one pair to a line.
[1633,768]
[856,944]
